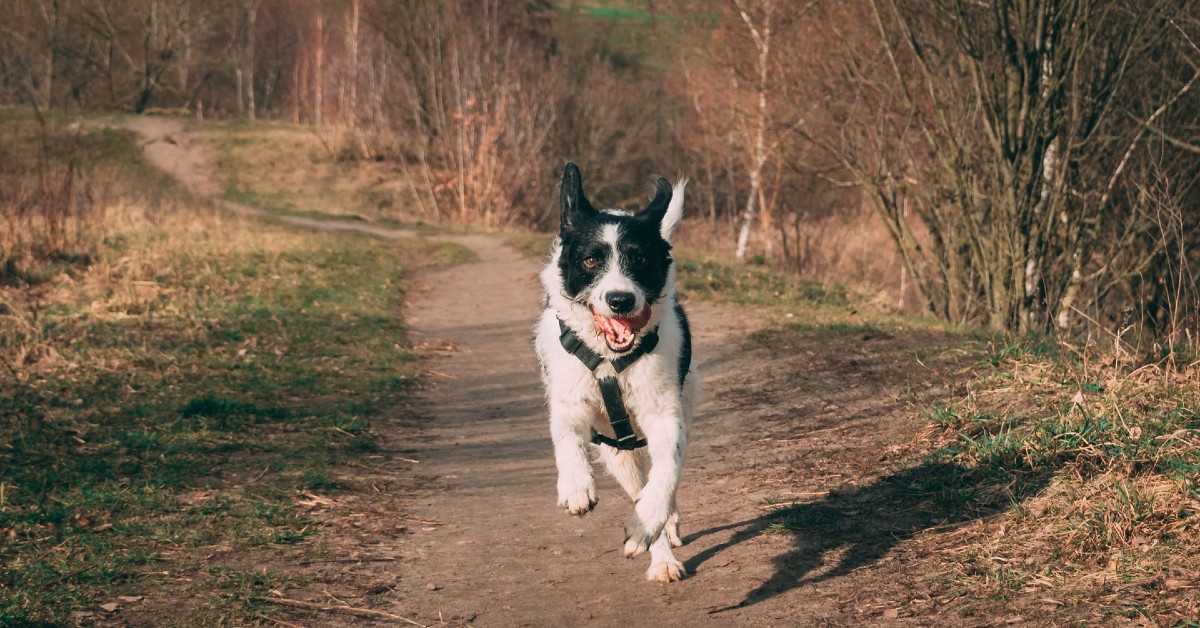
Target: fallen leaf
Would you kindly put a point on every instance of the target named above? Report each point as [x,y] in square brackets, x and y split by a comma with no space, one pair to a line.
[130,598]
[891,613]
[111,607]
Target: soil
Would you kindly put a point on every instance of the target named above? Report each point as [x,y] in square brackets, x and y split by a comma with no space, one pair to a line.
[453,521]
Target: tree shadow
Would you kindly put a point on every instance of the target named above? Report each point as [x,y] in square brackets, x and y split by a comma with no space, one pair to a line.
[857,527]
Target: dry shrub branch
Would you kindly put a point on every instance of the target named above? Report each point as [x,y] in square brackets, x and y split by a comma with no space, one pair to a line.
[46,199]
[1008,148]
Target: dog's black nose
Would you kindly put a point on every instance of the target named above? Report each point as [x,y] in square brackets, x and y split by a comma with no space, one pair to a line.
[621,302]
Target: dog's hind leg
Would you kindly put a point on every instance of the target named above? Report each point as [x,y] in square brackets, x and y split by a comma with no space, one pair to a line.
[691,394]
[671,530]
[627,467]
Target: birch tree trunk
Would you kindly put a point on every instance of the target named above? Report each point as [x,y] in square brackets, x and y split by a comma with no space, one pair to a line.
[761,35]
[237,79]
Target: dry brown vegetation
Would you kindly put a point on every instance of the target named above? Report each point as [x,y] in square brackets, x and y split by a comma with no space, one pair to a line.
[45,199]
[173,379]
[1031,163]
[1097,457]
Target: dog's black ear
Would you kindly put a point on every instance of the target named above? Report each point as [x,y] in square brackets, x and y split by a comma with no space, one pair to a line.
[657,208]
[575,206]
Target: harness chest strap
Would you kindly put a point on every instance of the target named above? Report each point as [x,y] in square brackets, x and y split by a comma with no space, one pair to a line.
[610,389]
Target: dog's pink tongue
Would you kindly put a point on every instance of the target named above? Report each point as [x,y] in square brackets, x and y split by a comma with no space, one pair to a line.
[619,332]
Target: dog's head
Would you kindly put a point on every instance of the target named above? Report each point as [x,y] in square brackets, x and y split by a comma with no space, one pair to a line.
[616,263]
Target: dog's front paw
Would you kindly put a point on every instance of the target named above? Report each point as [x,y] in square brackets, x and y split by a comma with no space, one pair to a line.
[637,537]
[579,501]
[666,571]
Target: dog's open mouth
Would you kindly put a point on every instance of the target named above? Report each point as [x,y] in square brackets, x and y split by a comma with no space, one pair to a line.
[619,332]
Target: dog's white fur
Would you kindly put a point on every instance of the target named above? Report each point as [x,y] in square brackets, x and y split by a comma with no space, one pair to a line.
[650,387]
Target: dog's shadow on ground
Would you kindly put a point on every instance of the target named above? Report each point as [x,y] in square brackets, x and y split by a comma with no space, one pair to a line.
[853,528]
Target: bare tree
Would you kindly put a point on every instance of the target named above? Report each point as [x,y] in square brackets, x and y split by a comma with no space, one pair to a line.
[1005,131]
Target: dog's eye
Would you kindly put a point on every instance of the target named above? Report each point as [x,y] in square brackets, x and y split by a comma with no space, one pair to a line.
[590,262]
[640,260]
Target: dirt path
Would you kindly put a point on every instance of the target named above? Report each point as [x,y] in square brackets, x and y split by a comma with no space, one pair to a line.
[457,523]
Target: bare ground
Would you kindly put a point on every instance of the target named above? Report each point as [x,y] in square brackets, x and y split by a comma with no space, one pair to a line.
[453,519]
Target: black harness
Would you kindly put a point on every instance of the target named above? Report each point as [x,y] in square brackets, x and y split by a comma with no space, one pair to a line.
[610,389]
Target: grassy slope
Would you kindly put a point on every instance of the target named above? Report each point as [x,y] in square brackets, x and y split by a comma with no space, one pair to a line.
[178,387]
[290,169]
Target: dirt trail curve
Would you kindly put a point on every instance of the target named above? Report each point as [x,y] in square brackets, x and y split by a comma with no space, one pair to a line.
[480,541]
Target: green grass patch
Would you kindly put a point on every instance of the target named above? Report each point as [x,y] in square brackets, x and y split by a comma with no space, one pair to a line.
[796,519]
[751,283]
[532,245]
[259,359]
[429,253]
[608,11]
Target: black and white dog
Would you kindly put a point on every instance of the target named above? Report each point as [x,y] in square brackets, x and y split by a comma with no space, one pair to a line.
[615,354]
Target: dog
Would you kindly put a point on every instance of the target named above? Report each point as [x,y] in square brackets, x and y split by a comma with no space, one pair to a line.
[615,353]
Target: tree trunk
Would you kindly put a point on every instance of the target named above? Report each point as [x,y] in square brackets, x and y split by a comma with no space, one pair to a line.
[758,153]
[297,74]
[241,99]
[251,18]
[352,71]
[319,71]
[748,215]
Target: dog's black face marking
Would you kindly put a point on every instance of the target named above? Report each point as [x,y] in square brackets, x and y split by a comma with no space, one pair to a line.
[644,256]
[584,260]
[589,237]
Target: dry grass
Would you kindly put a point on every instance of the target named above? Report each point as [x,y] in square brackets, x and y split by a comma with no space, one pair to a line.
[174,394]
[132,250]
[1117,447]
